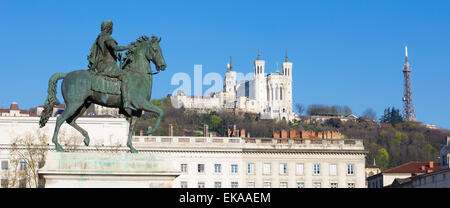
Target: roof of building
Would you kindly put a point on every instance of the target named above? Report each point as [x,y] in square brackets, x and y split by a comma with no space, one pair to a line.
[403,181]
[14,106]
[351,115]
[399,182]
[414,167]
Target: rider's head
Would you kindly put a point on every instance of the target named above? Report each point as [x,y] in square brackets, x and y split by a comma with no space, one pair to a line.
[107,26]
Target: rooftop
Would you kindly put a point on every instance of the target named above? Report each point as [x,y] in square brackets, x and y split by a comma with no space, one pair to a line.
[250,144]
[415,168]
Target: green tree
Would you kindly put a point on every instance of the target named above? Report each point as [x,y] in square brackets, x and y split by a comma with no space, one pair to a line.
[418,139]
[392,116]
[382,158]
[429,152]
[397,140]
[215,122]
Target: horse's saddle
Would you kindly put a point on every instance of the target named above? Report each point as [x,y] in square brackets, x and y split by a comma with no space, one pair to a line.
[105,84]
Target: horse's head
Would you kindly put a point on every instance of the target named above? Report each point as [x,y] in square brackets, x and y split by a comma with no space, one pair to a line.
[155,54]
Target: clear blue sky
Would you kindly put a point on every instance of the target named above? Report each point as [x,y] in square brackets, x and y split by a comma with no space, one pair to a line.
[344,52]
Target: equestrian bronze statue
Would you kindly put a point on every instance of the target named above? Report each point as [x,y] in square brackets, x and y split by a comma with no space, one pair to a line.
[127,87]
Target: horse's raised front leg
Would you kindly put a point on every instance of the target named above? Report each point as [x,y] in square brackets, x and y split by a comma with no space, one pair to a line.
[68,112]
[149,107]
[130,134]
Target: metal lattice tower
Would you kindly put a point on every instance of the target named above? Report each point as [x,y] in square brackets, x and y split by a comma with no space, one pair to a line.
[408,107]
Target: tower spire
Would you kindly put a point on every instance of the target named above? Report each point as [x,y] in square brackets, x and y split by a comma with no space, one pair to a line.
[406,57]
[231,64]
[286,59]
[259,54]
[406,51]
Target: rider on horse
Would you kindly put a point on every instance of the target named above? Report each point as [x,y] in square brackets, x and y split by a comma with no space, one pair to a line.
[103,60]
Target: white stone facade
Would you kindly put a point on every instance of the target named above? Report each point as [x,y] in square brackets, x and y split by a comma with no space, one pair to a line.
[220,161]
[241,162]
[269,95]
[106,131]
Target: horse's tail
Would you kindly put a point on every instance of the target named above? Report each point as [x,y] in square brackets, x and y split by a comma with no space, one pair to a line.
[51,98]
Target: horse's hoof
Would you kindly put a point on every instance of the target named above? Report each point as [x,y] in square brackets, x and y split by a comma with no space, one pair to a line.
[86,141]
[59,148]
[132,150]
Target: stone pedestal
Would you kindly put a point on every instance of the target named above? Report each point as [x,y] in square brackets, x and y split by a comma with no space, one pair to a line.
[106,170]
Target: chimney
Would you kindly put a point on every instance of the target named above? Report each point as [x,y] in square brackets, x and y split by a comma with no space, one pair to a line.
[141,132]
[242,132]
[170,130]
[293,134]
[321,135]
[276,135]
[235,132]
[284,134]
[205,130]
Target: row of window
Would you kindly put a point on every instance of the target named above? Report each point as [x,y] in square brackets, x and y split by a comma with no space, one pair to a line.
[267,168]
[217,184]
[5,165]
[22,183]
[434,179]
[267,184]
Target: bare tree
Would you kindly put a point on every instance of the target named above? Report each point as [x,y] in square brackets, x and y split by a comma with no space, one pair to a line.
[300,108]
[26,156]
[369,113]
[347,111]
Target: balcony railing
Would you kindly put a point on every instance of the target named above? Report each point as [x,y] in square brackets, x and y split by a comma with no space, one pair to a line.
[255,142]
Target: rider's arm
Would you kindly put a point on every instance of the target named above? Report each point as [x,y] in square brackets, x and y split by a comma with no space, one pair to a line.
[113,45]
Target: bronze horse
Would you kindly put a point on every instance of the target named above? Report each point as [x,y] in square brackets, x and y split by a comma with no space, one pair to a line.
[77,90]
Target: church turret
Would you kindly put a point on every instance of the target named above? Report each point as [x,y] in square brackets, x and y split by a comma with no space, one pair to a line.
[259,89]
[287,67]
[230,83]
[287,86]
[259,65]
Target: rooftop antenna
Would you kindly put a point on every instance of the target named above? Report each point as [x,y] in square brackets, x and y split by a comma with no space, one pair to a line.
[408,107]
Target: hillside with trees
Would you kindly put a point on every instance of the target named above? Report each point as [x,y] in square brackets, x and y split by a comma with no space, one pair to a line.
[390,141]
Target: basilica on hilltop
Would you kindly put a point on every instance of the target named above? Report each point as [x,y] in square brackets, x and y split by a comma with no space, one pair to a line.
[269,95]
